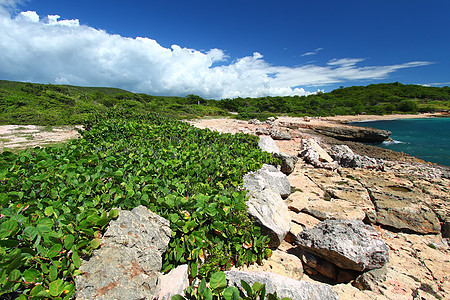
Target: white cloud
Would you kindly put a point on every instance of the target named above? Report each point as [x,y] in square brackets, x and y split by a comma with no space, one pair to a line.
[53,50]
[314,52]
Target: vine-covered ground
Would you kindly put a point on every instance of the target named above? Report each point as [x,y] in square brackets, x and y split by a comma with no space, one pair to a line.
[56,202]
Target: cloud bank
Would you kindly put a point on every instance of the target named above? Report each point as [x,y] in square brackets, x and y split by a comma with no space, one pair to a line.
[54,50]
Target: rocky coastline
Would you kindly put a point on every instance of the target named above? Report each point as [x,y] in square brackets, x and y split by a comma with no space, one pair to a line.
[402,198]
[345,221]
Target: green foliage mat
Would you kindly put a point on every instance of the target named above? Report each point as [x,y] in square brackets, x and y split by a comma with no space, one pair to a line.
[56,202]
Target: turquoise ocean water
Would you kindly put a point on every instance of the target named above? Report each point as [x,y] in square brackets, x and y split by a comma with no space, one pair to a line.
[428,139]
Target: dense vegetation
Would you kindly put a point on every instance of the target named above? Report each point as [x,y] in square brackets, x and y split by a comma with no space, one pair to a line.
[40,104]
[48,104]
[372,99]
[56,202]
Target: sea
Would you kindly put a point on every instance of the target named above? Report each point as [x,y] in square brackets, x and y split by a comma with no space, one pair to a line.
[427,139]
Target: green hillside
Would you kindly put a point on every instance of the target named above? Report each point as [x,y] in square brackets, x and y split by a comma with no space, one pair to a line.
[48,104]
[373,99]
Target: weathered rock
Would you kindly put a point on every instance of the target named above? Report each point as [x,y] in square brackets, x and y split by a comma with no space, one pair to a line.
[283,286]
[316,265]
[261,131]
[279,135]
[254,121]
[314,154]
[348,244]
[271,119]
[346,158]
[268,177]
[352,133]
[287,162]
[128,263]
[279,262]
[398,203]
[174,282]
[270,211]
[344,198]
[266,143]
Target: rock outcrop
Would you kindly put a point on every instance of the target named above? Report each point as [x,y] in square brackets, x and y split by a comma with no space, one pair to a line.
[279,135]
[347,244]
[346,158]
[271,213]
[316,155]
[283,286]
[266,143]
[287,162]
[128,263]
[268,177]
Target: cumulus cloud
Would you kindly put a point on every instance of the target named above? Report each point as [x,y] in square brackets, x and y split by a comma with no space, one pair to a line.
[54,50]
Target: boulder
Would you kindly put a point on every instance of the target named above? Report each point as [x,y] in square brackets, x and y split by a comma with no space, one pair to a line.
[287,162]
[267,177]
[279,135]
[128,263]
[313,154]
[261,131]
[349,244]
[254,121]
[266,143]
[174,283]
[271,213]
[346,158]
[283,286]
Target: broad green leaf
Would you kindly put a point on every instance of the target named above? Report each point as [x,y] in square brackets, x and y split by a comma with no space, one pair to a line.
[49,211]
[54,250]
[113,213]
[218,281]
[231,293]
[177,297]
[68,241]
[56,287]
[8,228]
[76,259]
[53,272]
[32,276]
[14,275]
[247,289]
[95,243]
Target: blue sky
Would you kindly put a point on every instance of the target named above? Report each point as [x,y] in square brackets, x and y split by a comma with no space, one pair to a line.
[225,48]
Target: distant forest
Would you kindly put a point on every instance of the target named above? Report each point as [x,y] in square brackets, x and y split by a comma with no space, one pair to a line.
[48,104]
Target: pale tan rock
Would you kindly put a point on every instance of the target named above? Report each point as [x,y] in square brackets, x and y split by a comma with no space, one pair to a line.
[280,263]
[398,203]
[349,292]
[359,205]
[305,220]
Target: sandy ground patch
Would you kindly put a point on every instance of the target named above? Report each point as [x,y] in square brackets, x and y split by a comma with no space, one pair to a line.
[30,136]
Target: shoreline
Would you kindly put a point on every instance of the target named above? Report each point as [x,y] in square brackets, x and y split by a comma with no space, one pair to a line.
[373,118]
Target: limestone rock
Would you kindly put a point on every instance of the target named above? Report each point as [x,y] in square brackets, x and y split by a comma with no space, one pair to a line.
[287,162]
[254,121]
[352,133]
[348,244]
[128,263]
[270,211]
[346,158]
[266,143]
[345,198]
[267,177]
[314,154]
[283,286]
[261,131]
[279,262]
[398,203]
[279,135]
[174,282]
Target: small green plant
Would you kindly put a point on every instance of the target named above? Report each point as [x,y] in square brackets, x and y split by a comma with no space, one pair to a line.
[218,289]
